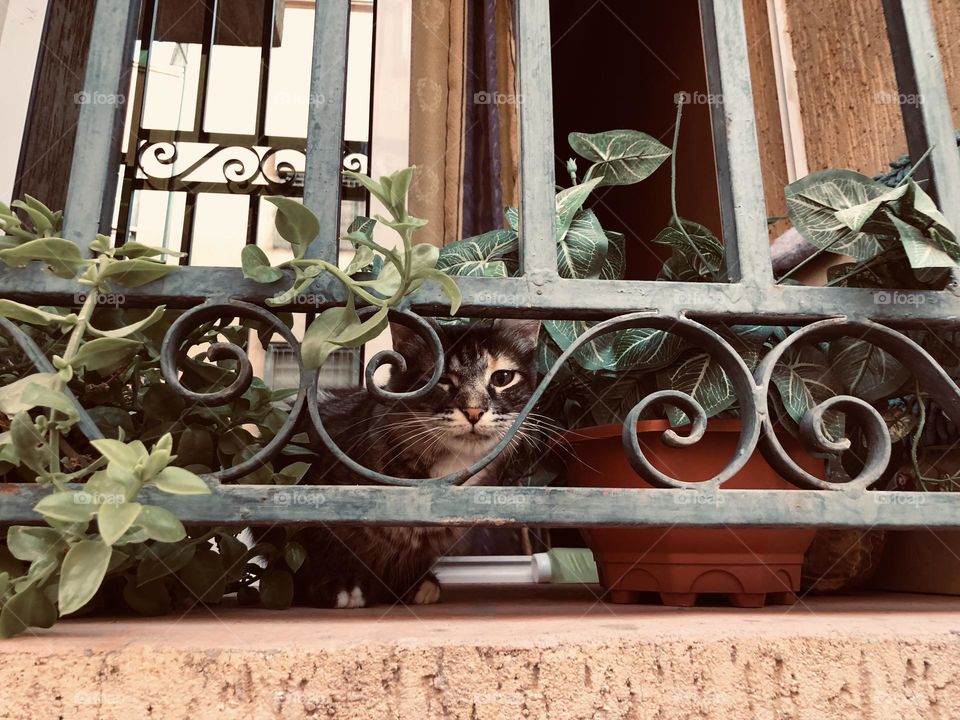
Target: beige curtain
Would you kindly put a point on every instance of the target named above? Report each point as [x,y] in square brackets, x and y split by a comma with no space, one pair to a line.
[436,116]
[437,113]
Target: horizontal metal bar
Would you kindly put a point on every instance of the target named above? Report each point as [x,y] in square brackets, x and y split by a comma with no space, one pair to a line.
[538,249]
[230,187]
[742,205]
[560,507]
[185,288]
[91,166]
[520,297]
[151,136]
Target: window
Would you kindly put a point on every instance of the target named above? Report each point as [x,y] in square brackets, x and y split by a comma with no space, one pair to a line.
[342,368]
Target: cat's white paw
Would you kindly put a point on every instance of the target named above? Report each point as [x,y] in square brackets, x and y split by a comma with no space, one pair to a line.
[352,599]
[427,594]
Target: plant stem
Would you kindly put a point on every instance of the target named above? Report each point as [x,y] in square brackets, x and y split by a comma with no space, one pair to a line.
[73,345]
[917,164]
[340,275]
[816,254]
[673,164]
[876,258]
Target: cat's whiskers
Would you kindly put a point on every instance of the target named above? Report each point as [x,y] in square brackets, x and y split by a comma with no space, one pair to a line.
[430,447]
[411,442]
[394,427]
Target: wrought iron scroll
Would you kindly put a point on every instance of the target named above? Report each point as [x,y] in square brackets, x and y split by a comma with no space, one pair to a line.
[244,169]
[751,390]
[928,372]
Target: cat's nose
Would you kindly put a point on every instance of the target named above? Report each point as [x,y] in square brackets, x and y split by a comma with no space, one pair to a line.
[473,414]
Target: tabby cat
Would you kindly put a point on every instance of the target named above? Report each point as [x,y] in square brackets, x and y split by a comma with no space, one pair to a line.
[490,372]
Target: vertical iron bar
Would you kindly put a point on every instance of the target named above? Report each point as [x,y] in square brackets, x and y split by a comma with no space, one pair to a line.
[928,124]
[327,107]
[130,165]
[93,149]
[742,206]
[538,249]
[263,87]
[120,114]
[199,118]
[373,80]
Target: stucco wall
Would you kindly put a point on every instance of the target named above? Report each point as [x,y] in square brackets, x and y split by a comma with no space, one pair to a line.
[848,93]
[563,655]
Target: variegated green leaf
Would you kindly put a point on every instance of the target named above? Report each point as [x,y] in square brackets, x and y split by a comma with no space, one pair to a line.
[595,355]
[614,265]
[480,256]
[582,251]
[865,370]
[569,202]
[512,216]
[620,157]
[693,244]
[815,201]
[922,254]
[645,348]
[702,378]
[803,379]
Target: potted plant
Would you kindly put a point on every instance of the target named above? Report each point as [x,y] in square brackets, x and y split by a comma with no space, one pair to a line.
[882,229]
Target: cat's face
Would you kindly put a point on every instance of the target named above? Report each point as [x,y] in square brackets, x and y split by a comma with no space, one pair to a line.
[490,371]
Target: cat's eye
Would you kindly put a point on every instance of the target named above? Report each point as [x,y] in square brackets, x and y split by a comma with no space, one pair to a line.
[501,378]
[445,380]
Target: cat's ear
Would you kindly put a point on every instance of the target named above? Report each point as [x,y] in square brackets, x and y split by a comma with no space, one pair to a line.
[407,341]
[523,331]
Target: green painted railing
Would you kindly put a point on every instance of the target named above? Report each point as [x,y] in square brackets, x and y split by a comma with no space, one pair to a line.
[750,296]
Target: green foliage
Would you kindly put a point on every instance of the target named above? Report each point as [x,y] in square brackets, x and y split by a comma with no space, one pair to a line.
[897,237]
[399,273]
[103,543]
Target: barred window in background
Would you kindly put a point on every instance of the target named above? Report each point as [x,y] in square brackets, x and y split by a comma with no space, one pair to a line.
[342,368]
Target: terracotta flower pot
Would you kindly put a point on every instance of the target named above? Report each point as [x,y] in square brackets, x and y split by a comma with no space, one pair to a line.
[750,566]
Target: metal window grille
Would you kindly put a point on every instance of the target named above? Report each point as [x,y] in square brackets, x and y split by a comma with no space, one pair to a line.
[281,371]
[750,296]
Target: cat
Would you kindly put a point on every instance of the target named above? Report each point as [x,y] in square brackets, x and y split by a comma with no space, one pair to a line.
[490,371]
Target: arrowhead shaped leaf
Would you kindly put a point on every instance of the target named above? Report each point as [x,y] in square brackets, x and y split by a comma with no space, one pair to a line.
[803,380]
[614,265]
[595,355]
[701,377]
[814,201]
[864,370]
[645,348]
[582,251]
[569,202]
[480,256]
[694,246]
[621,157]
